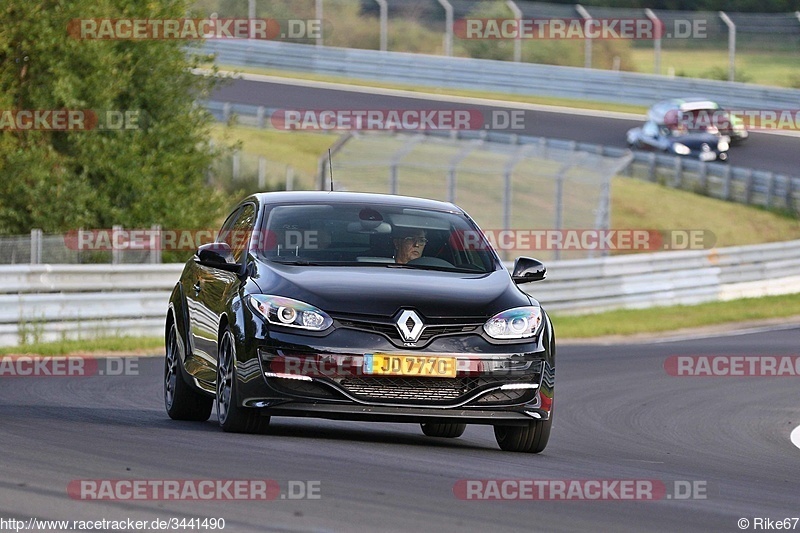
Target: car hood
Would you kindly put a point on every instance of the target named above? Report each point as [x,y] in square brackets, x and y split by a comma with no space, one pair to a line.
[381,290]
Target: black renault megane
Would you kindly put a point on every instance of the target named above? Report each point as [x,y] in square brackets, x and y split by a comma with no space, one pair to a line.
[361,307]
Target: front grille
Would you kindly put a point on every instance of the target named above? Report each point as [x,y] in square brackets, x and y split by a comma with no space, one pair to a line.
[407,389]
[434,390]
[389,330]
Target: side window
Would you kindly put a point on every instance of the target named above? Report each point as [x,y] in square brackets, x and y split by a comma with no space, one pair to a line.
[238,229]
[225,232]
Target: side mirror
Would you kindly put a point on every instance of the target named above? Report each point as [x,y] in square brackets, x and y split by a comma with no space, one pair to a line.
[527,270]
[217,255]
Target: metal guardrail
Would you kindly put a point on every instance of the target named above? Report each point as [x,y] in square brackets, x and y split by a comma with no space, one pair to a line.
[718,180]
[52,302]
[41,303]
[495,76]
[670,278]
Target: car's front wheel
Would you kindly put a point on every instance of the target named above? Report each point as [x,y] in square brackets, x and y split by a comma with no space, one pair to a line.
[180,400]
[530,438]
[449,431]
[231,416]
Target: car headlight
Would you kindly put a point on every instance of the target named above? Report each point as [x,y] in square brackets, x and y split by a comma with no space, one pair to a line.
[290,313]
[681,149]
[723,146]
[517,323]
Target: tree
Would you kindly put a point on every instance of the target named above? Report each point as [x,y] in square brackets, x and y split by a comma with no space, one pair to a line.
[61,180]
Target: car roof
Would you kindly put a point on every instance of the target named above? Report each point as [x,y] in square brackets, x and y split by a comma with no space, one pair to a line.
[658,112]
[346,197]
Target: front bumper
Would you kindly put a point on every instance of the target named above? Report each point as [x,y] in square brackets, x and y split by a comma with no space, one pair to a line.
[297,375]
[510,417]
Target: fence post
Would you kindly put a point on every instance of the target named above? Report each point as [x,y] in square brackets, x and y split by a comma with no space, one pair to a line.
[116,252]
[703,177]
[226,112]
[384,23]
[518,37]
[237,163]
[731,44]
[748,187]
[393,178]
[397,157]
[770,185]
[156,244]
[726,191]
[452,170]
[318,11]
[657,27]
[36,246]
[651,167]
[677,181]
[289,178]
[80,245]
[587,42]
[260,116]
[448,35]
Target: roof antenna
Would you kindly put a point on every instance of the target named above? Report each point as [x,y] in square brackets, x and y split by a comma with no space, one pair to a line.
[330,168]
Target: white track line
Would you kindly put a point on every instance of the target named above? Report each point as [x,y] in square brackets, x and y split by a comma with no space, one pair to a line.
[795,436]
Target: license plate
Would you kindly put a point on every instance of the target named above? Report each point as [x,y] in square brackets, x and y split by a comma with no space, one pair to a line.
[708,156]
[379,364]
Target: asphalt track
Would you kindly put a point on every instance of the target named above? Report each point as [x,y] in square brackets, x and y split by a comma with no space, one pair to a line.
[762,151]
[618,415]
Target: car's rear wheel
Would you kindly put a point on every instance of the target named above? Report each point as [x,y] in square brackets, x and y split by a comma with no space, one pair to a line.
[181,401]
[231,416]
[530,438]
[449,431]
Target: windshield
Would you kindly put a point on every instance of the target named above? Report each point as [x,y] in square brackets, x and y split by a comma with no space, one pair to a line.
[374,235]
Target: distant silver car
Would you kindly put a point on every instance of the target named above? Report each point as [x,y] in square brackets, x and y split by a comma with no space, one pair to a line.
[699,115]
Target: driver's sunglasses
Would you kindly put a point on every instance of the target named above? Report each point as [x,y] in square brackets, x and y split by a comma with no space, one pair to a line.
[416,241]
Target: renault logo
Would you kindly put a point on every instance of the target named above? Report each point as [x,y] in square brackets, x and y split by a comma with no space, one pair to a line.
[409,324]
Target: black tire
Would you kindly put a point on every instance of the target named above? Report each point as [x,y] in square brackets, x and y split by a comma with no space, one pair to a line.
[531,438]
[180,399]
[231,416]
[448,431]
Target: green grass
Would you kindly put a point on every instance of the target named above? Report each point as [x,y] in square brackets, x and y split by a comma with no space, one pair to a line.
[635,204]
[101,346]
[660,319]
[764,68]
[640,204]
[299,149]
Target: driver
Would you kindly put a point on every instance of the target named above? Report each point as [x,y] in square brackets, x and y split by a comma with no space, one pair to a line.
[409,245]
